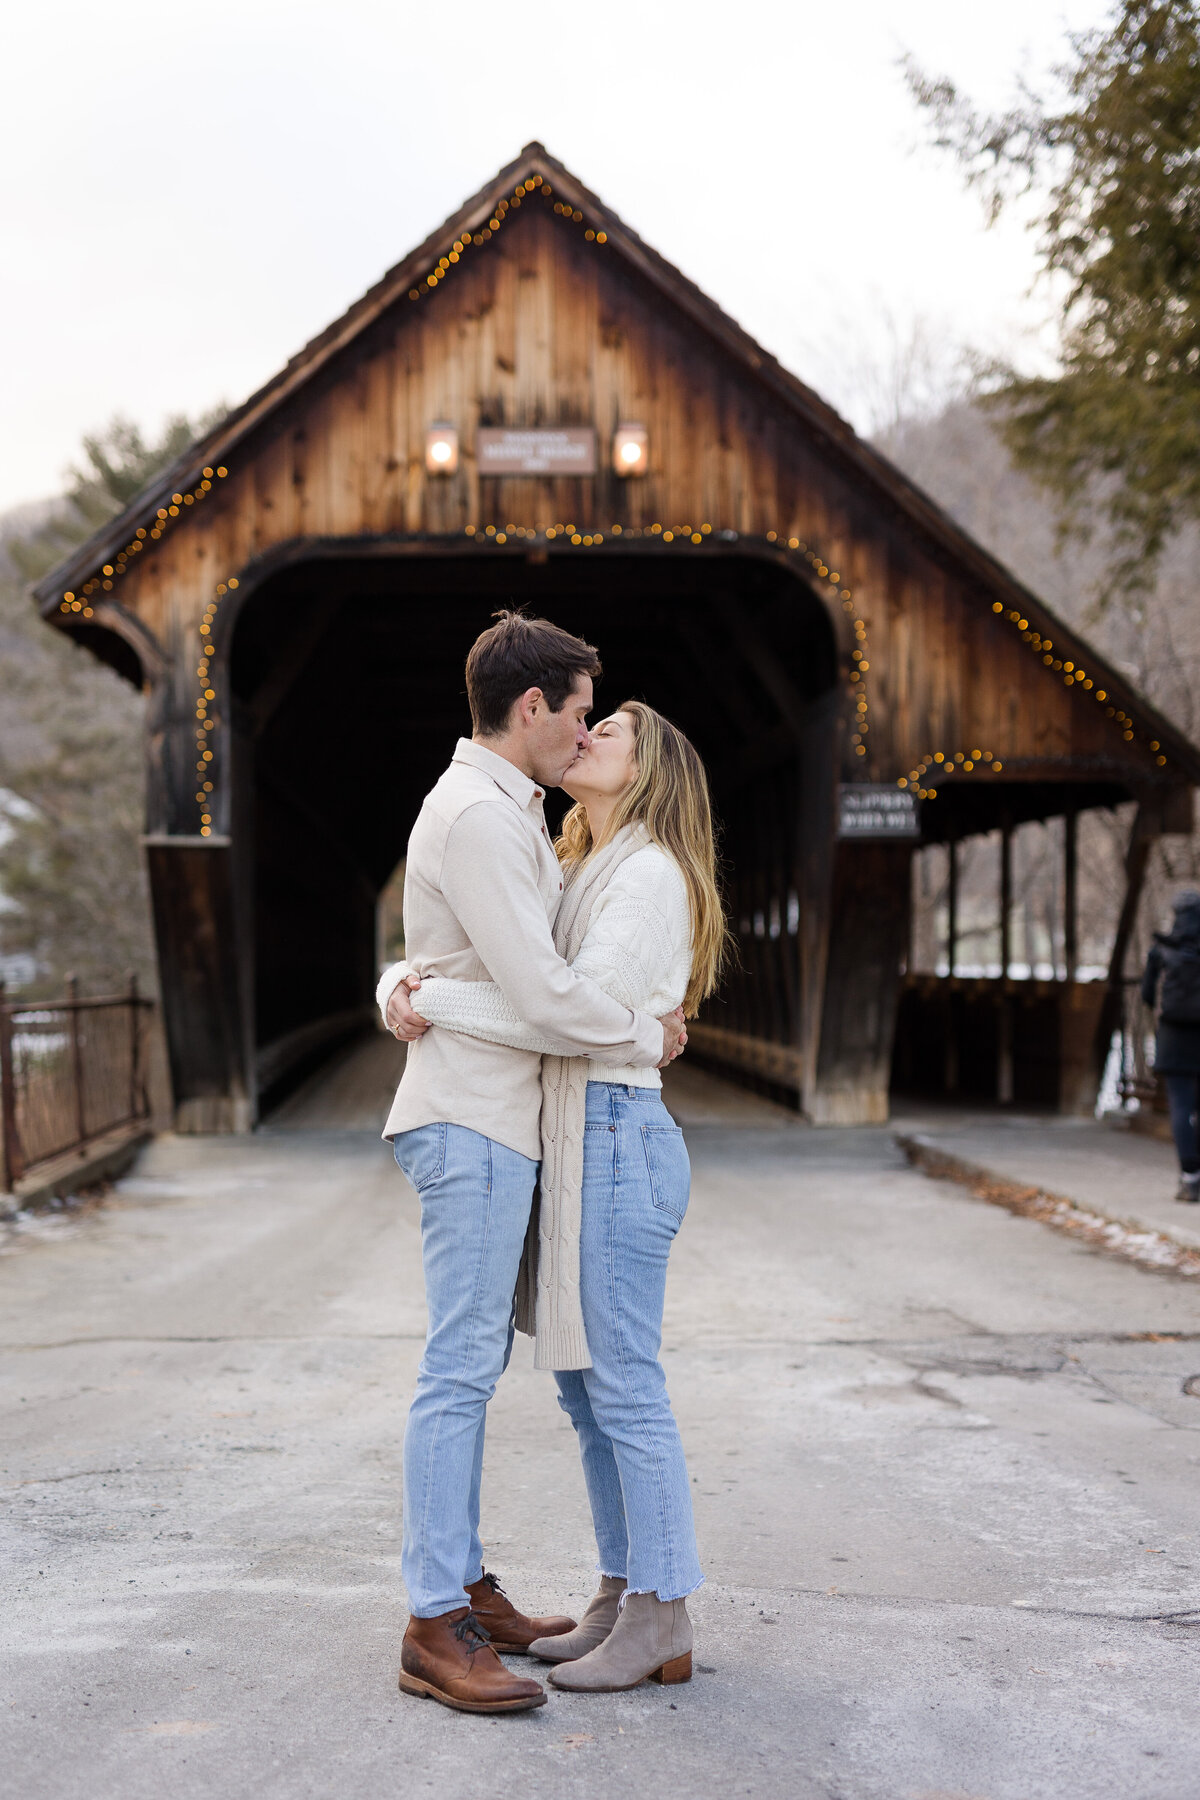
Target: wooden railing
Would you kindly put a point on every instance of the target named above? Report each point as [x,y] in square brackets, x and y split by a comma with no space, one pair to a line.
[72,1071]
[741,1054]
[982,1038]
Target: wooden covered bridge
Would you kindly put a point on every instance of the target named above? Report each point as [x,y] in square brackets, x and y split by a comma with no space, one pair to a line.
[536,408]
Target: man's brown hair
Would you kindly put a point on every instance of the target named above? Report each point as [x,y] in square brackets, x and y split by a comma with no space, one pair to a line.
[516,654]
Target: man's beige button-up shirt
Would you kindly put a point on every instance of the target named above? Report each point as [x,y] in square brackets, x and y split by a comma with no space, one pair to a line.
[481,892]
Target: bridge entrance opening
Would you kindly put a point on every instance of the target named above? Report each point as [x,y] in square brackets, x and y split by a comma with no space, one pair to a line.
[346,680]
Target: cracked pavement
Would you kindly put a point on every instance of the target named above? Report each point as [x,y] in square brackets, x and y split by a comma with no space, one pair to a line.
[945,1468]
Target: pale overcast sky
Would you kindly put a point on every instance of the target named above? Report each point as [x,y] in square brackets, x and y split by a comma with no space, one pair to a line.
[190,192]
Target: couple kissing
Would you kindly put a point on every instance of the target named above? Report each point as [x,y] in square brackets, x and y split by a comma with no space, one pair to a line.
[545,987]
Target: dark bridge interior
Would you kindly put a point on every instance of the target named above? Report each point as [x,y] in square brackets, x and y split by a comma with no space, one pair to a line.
[347,681]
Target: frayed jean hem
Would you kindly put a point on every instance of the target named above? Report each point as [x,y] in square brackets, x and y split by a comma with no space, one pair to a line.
[666,1599]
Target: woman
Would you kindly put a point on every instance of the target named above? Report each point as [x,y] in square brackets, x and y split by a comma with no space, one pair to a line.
[642,916]
[1174,960]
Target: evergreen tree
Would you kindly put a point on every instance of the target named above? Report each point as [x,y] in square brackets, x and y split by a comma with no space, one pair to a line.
[117,464]
[1116,168]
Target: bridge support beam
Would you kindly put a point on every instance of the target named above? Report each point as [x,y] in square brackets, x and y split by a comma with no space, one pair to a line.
[206,1006]
[869,901]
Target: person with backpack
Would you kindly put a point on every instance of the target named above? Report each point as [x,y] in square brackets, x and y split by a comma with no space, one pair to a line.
[1173,977]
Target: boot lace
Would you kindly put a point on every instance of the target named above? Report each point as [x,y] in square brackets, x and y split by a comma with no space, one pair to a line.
[469,1627]
[493,1582]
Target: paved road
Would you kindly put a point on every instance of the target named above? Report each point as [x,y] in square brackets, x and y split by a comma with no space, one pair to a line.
[945,1477]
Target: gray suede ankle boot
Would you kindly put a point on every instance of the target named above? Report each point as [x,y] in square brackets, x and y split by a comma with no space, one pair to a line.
[651,1637]
[591,1630]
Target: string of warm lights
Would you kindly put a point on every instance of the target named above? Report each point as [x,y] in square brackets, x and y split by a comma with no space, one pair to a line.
[962,762]
[578,537]
[109,573]
[860,656]
[79,600]
[569,533]
[958,762]
[533,185]
[205,721]
[1073,674]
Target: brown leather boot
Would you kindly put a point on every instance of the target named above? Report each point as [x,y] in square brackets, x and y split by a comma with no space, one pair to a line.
[450,1659]
[509,1629]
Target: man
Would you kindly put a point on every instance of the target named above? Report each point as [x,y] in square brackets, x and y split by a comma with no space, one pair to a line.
[481,892]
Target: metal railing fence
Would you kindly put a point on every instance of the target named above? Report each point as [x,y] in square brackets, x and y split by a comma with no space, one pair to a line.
[71,1070]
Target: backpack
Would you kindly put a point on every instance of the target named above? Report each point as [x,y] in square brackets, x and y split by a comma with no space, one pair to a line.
[1179,1001]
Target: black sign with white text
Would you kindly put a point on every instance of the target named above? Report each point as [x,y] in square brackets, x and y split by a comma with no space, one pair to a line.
[875,810]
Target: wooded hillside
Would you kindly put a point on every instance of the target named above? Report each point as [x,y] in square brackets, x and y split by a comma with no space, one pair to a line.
[73,895]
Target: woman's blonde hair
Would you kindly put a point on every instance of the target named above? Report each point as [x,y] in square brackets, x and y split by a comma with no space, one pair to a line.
[669,796]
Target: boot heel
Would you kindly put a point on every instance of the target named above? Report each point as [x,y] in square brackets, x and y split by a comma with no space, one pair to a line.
[678,1669]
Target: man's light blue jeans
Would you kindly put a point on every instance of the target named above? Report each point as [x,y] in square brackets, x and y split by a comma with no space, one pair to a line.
[636,1179]
[476,1197]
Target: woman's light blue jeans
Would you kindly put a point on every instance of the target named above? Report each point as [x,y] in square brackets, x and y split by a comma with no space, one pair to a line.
[636,1178]
[476,1197]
